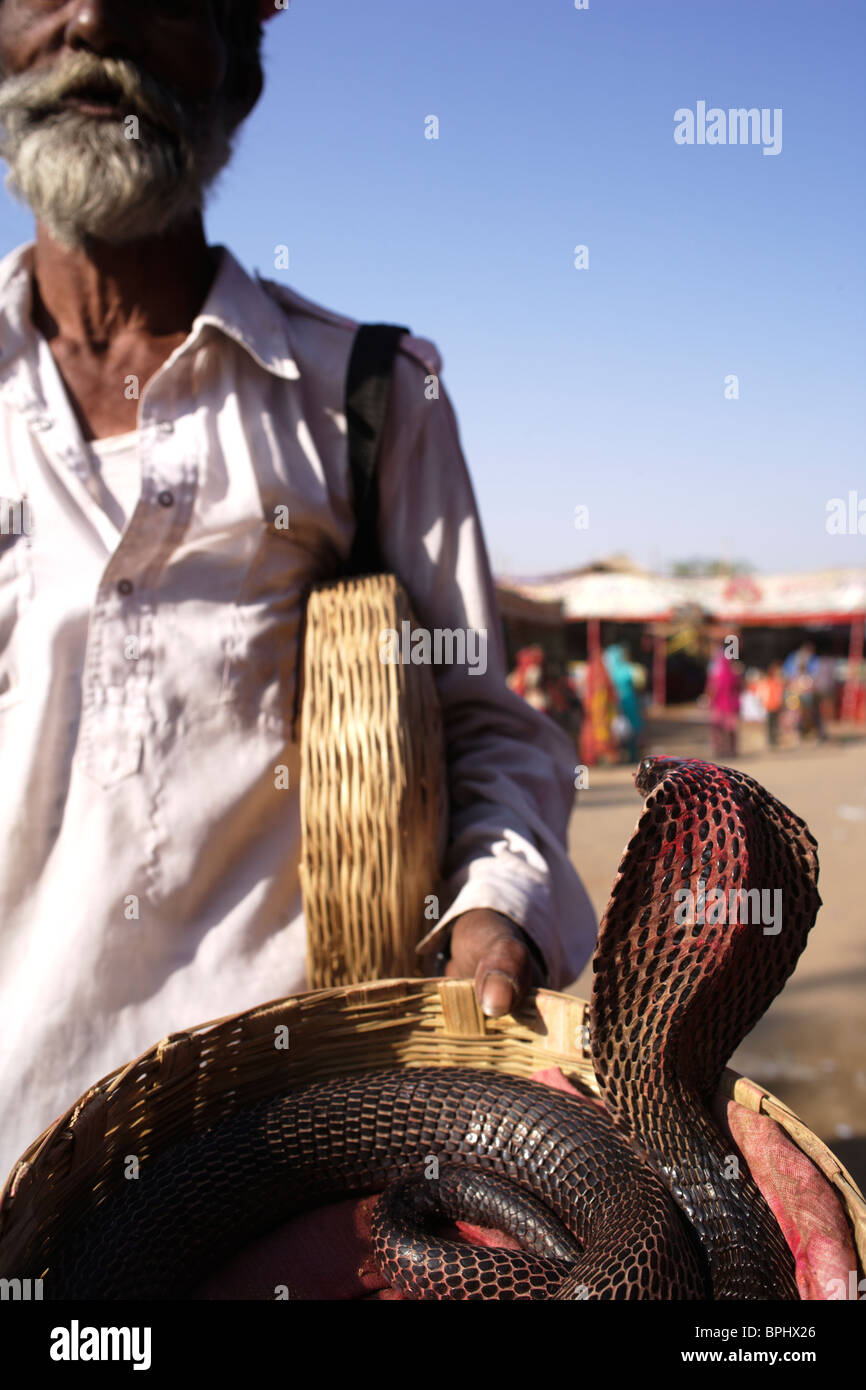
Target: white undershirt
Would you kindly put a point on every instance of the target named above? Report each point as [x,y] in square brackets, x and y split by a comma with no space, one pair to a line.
[117,474]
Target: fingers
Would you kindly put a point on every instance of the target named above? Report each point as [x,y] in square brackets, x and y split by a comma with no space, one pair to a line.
[488,948]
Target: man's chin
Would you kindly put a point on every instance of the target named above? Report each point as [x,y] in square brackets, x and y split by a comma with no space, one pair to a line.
[85,184]
[141,222]
[151,215]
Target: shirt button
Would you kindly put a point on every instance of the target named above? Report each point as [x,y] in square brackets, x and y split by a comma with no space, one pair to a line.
[43,422]
[166,498]
[124,586]
[165,426]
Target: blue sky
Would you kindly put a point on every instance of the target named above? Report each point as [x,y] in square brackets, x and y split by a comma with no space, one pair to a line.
[601,387]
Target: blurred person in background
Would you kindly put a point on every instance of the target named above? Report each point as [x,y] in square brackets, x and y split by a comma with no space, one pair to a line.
[801,659]
[542,681]
[801,695]
[631,720]
[565,706]
[724,683]
[771,688]
[597,741]
[751,706]
[527,678]
[824,676]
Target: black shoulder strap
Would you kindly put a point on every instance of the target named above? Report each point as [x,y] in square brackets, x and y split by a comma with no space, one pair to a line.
[368,385]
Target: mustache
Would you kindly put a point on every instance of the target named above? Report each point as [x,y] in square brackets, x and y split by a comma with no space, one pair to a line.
[34,95]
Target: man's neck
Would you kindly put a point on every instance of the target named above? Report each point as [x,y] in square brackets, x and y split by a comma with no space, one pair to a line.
[151,288]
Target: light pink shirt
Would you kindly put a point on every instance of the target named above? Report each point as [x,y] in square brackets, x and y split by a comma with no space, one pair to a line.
[148,857]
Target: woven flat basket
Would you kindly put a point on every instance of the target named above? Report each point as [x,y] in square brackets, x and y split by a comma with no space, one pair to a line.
[373,789]
[189,1080]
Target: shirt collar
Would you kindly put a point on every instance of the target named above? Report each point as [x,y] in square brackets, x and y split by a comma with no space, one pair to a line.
[236,305]
[241,307]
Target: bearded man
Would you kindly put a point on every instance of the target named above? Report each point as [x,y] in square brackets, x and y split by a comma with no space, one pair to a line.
[157,405]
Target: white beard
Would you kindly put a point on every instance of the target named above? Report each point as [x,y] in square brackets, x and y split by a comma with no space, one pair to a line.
[83,178]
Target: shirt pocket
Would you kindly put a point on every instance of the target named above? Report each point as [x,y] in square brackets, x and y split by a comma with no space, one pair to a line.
[110,744]
[15,591]
[260,666]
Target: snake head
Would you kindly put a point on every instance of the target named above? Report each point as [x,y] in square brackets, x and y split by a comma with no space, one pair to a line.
[652,771]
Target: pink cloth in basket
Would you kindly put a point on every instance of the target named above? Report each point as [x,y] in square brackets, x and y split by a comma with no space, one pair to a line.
[806,1206]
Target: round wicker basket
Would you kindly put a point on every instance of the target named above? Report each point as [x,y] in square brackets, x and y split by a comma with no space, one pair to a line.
[373,788]
[189,1080]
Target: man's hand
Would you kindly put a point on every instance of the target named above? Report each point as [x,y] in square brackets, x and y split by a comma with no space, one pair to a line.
[491,949]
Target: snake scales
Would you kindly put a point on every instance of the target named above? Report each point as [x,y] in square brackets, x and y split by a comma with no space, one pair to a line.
[637,1202]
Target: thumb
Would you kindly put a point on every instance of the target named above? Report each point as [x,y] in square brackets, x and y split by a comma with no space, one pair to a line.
[502,974]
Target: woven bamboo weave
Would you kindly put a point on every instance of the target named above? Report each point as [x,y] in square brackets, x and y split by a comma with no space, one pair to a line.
[373,790]
[189,1080]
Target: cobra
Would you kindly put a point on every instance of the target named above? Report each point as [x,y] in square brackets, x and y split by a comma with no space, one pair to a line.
[633,1201]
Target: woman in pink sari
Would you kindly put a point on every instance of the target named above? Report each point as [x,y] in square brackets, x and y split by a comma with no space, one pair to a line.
[723,690]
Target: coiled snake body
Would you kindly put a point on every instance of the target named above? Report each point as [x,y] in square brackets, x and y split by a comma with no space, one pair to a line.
[638,1202]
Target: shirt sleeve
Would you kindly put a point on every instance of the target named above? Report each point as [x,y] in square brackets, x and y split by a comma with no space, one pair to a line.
[510,769]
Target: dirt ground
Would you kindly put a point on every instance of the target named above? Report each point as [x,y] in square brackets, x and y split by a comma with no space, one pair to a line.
[809,1049]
